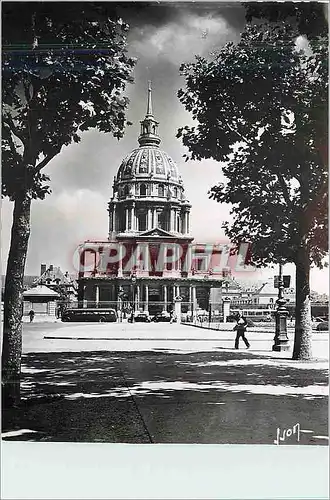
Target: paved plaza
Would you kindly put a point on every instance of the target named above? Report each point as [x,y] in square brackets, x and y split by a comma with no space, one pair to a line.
[162,383]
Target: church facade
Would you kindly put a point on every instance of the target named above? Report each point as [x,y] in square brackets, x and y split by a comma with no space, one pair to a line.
[149,259]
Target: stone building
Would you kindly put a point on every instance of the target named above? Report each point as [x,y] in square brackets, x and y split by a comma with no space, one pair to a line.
[149,214]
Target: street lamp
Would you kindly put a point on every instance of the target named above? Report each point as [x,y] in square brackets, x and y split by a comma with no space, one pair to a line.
[133,280]
[281,341]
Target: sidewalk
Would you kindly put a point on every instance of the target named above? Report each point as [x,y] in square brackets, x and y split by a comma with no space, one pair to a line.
[165,391]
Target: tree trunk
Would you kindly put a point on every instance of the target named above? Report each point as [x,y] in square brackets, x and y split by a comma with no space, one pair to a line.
[13,301]
[302,348]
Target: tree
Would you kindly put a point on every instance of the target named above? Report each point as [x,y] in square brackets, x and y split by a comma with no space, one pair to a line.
[308,17]
[64,72]
[261,107]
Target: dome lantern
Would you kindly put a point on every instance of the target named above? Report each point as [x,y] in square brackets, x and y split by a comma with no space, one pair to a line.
[149,126]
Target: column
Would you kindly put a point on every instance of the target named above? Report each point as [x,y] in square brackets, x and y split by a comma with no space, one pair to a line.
[174,291]
[225,308]
[177,309]
[95,264]
[179,257]
[149,222]
[173,213]
[154,217]
[190,300]
[97,296]
[126,219]
[132,219]
[146,303]
[188,229]
[137,298]
[114,218]
[172,220]
[188,260]
[136,222]
[165,297]
[194,301]
[184,223]
[110,221]
[137,252]
[120,263]
[177,291]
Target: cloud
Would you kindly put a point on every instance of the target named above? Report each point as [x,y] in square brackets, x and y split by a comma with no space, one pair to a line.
[179,40]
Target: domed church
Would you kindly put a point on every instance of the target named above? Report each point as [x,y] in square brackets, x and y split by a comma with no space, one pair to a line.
[148,191]
[149,215]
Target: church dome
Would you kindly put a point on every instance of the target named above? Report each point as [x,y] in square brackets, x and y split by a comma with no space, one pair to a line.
[148,191]
[151,162]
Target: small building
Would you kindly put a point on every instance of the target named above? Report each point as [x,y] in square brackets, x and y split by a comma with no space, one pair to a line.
[40,299]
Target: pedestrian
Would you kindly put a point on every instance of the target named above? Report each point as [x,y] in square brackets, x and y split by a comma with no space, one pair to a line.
[240,327]
[31,314]
[172,316]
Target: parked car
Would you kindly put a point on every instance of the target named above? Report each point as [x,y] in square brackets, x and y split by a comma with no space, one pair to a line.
[89,314]
[322,326]
[318,319]
[139,317]
[163,316]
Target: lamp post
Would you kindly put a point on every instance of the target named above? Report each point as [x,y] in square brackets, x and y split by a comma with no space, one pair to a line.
[281,341]
[133,280]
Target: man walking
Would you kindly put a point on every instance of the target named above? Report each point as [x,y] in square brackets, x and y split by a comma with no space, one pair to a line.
[240,327]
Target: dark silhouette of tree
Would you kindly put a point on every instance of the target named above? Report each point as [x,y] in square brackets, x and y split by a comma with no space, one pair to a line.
[307,17]
[64,71]
[261,106]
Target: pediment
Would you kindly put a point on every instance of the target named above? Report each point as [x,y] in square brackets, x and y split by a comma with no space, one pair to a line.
[156,231]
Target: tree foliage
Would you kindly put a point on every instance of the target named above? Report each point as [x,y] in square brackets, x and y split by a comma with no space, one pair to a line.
[261,107]
[64,72]
[308,17]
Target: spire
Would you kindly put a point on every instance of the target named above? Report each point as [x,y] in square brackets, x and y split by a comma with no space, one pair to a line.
[149,135]
[149,106]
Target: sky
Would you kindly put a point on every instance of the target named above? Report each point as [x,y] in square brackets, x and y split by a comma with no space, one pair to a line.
[161,37]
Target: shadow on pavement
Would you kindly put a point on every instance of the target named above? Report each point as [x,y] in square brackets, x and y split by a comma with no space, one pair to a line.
[164,397]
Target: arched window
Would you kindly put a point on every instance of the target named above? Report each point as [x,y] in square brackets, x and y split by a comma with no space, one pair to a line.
[271,301]
[175,192]
[160,190]
[143,190]
[126,190]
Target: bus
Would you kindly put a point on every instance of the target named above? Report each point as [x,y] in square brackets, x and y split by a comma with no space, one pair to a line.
[256,315]
[90,314]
